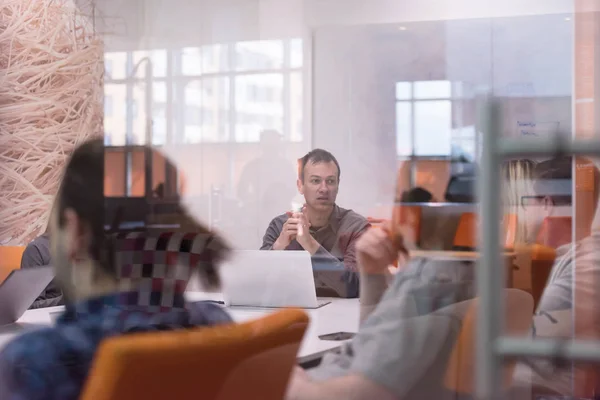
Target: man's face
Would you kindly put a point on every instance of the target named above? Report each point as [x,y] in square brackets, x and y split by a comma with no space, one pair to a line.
[320,185]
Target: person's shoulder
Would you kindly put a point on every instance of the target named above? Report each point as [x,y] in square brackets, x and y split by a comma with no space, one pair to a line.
[37,252]
[280,219]
[207,313]
[352,218]
[40,241]
[32,350]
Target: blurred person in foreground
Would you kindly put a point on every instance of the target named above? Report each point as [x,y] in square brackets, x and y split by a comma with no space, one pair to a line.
[52,363]
[327,231]
[409,324]
[570,302]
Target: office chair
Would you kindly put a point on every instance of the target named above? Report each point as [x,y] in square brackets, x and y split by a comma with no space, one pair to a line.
[252,360]
[460,371]
[10,259]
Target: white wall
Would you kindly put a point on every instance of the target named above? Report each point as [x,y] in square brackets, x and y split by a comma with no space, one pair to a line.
[356,68]
[349,100]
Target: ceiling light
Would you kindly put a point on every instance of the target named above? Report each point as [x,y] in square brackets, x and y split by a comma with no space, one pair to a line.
[401,28]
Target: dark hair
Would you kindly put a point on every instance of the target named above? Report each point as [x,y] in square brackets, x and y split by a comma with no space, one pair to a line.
[552,178]
[82,190]
[314,157]
[416,195]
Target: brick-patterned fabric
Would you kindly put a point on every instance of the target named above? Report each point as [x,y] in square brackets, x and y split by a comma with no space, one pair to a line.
[157,266]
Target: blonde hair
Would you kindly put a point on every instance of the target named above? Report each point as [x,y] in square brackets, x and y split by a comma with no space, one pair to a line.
[518,183]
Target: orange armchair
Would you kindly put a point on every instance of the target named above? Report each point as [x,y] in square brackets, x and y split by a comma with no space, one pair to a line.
[460,371]
[10,259]
[465,237]
[252,360]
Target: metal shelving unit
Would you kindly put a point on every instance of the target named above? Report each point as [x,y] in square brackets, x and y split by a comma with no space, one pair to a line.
[491,345]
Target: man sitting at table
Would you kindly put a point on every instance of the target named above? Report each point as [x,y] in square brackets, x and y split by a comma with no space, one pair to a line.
[53,363]
[327,231]
[37,254]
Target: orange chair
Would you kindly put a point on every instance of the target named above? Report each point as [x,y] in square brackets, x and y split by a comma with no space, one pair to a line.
[460,371]
[10,259]
[465,237]
[510,230]
[408,217]
[555,232]
[536,261]
[252,360]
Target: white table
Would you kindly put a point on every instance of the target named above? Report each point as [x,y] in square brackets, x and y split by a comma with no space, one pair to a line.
[341,315]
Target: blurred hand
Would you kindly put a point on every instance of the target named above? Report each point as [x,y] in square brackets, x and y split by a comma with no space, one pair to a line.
[299,382]
[376,251]
[303,235]
[289,231]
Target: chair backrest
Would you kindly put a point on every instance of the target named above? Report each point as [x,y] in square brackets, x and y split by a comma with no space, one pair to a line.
[461,369]
[510,225]
[555,232]
[465,237]
[409,217]
[10,259]
[159,265]
[537,261]
[252,360]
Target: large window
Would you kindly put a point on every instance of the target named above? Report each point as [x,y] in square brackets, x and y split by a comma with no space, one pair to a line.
[213,93]
[430,120]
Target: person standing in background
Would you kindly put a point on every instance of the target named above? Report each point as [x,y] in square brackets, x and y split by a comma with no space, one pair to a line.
[327,231]
[266,183]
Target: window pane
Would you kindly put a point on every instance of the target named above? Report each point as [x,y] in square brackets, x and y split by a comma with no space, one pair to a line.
[259,105]
[433,127]
[204,60]
[214,58]
[403,129]
[215,109]
[115,122]
[296,53]
[191,61]
[206,110]
[464,148]
[158,63]
[115,65]
[138,115]
[403,91]
[159,114]
[433,89]
[264,54]
[296,107]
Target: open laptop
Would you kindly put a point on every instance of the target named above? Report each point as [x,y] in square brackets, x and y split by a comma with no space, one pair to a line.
[259,278]
[20,289]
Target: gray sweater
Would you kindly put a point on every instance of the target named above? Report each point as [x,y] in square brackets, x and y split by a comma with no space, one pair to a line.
[37,254]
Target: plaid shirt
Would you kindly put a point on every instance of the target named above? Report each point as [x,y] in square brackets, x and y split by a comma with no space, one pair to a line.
[53,363]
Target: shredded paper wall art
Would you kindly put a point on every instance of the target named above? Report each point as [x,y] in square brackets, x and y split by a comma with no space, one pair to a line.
[51,72]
